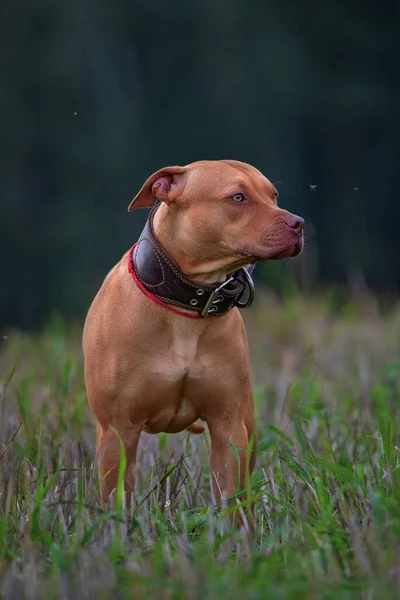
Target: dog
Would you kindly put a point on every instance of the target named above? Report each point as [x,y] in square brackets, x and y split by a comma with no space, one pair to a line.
[164,341]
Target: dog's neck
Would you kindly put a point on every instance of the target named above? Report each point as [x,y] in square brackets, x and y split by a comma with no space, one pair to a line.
[160,277]
[192,262]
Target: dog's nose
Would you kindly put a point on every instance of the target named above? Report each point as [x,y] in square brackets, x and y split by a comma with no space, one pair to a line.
[296,223]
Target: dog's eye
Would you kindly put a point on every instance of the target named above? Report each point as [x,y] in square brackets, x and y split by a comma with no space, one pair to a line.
[238,197]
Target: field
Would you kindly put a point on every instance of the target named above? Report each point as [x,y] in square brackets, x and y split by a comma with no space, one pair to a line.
[327,483]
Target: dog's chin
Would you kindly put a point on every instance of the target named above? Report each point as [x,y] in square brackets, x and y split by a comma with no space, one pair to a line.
[287,250]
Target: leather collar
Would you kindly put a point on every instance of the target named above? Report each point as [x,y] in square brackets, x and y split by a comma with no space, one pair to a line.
[155,271]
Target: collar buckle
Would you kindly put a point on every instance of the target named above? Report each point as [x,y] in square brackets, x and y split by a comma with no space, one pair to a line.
[210,306]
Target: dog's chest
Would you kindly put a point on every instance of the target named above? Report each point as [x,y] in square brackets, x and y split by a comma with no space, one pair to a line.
[179,380]
[176,399]
[180,373]
[187,374]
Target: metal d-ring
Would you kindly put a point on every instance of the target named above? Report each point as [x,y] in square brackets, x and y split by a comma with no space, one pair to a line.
[248,284]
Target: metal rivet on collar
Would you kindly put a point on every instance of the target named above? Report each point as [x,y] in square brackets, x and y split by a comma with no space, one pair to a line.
[199,292]
[213,309]
[193,302]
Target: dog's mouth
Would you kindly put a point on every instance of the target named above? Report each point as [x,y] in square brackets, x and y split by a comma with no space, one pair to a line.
[290,251]
[279,252]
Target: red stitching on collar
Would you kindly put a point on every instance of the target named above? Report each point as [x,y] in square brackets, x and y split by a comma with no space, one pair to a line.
[152,296]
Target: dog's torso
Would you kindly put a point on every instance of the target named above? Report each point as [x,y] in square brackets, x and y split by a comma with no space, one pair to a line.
[165,367]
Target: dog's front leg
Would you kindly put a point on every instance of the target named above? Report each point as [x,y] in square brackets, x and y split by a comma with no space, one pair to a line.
[109,456]
[229,444]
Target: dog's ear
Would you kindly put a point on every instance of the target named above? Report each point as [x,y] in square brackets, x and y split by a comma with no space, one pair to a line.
[164,185]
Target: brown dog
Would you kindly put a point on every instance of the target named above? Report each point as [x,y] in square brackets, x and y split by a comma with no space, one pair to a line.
[164,341]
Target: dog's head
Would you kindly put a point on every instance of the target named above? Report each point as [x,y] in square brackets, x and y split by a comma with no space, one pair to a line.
[223,211]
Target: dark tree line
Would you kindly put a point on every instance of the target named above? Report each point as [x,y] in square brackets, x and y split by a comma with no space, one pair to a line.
[95,96]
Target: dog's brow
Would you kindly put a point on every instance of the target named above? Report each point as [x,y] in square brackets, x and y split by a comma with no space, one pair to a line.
[237,186]
[240,183]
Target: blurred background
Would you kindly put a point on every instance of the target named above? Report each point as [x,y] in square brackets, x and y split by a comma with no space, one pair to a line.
[95,96]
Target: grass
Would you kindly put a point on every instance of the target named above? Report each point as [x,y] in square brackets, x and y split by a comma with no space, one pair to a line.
[326,486]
